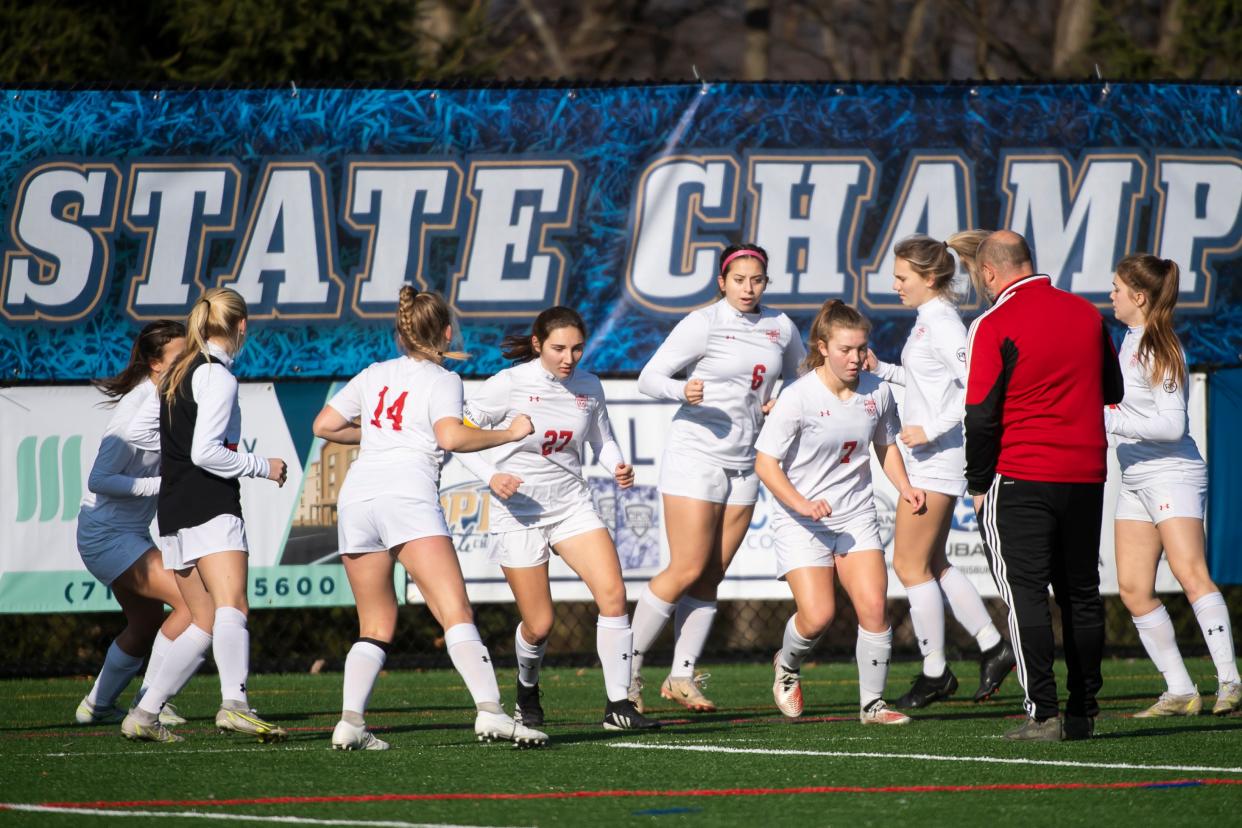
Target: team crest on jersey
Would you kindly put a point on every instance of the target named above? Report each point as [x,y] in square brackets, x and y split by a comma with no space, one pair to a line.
[582,401]
[961,355]
[872,409]
[920,332]
[1170,385]
[1134,360]
[773,334]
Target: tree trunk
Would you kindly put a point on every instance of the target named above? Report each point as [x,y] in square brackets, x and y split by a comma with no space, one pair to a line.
[758,21]
[981,42]
[912,40]
[1073,35]
[1170,32]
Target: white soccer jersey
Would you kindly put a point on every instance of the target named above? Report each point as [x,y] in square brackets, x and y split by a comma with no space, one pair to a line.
[399,401]
[567,416]
[824,444]
[124,481]
[933,372]
[1150,425]
[739,357]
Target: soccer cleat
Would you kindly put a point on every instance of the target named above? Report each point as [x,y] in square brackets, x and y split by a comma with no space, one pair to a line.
[1171,705]
[994,665]
[1034,730]
[879,713]
[787,688]
[622,715]
[136,728]
[1228,697]
[927,690]
[244,720]
[87,714]
[1074,728]
[346,736]
[492,726]
[528,710]
[171,716]
[636,693]
[688,692]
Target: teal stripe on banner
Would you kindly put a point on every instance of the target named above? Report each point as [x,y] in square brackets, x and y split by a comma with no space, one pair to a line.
[27,482]
[300,402]
[49,478]
[71,477]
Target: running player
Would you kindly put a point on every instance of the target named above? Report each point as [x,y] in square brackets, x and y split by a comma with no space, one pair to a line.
[1163,489]
[812,455]
[542,502]
[732,352]
[114,535]
[200,519]
[389,510]
[933,372]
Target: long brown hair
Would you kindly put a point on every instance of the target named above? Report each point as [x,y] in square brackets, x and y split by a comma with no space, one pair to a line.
[218,312]
[519,348]
[832,314]
[148,347]
[1159,280]
[928,257]
[421,320]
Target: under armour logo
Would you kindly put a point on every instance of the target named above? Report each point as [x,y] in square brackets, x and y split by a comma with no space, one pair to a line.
[636,652]
[687,663]
[875,663]
[486,660]
[625,657]
[533,398]
[923,641]
[243,687]
[1211,630]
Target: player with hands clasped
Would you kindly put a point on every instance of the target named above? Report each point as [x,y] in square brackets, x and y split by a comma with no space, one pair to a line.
[813,456]
[389,511]
[732,353]
[933,373]
[542,503]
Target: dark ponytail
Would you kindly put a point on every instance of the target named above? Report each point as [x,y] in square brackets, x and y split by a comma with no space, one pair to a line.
[519,348]
[148,347]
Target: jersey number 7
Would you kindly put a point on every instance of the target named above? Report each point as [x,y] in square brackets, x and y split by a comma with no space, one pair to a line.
[394,411]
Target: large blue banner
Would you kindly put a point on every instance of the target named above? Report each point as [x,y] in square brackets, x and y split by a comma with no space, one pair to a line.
[120,206]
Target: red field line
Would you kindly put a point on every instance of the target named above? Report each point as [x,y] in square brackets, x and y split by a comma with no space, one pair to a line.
[850,789]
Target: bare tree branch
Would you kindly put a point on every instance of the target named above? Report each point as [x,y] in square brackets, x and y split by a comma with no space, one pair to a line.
[546,37]
[982,30]
[757,21]
[912,39]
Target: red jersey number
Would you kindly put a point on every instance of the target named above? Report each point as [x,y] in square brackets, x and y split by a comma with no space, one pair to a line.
[394,413]
[550,438]
[847,450]
[756,376]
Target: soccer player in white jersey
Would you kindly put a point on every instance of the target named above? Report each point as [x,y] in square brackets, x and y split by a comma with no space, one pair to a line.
[1163,489]
[732,353]
[542,503]
[933,373]
[114,536]
[203,537]
[813,456]
[389,510]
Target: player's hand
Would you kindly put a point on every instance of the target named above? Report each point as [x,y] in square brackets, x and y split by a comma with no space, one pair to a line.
[767,407]
[814,509]
[914,436]
[277,470]
[520,428]
[917,498]
[694,391]
[871,362]
[624,475]
[504,485]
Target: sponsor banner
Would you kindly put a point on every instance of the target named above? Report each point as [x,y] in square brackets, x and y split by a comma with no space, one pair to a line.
[317,205]
[51,435]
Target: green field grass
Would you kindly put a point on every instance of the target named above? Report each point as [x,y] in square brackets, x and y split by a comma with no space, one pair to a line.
[739,766]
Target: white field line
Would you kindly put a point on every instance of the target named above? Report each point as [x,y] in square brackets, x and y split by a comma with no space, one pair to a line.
[283,820]
[164,754]
[927,757]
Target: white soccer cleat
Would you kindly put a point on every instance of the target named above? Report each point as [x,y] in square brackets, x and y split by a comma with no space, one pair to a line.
[87,714]
[355,737]
[1171,705]
[498,726]
[136,728]
[171,716]
[1228,698]
[879,713]
[787,689]
[688,692]
[245,720]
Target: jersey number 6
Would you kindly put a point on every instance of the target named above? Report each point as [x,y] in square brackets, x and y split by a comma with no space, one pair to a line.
[550,438]
[394,411]
[756,376]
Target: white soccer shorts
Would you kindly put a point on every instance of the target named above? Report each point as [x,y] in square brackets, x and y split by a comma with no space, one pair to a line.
[522,548]
[386,522]
[1162,501]
[223,533]
[798,545]
[686,476]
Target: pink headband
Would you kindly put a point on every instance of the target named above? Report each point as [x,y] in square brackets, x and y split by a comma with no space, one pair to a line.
[724,266]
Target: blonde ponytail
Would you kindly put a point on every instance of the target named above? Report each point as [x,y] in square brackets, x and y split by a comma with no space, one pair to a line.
[219,312]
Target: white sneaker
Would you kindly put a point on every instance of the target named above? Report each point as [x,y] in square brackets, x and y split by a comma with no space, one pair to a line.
[879,713]
[492,726]
[87,714]
[1228,697]
[787,689]
[171,716]
[353,737]
[136,729]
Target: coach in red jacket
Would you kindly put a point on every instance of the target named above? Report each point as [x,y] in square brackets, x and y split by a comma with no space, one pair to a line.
[1041,369]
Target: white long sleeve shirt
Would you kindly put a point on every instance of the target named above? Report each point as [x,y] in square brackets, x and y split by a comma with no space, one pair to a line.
[1150,426]
[739,357]
[217,429]
[124,479]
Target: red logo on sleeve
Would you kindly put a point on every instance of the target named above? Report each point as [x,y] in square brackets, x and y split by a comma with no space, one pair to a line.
[582,401]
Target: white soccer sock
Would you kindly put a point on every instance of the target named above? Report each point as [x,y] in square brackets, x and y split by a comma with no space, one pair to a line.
[529,658]
[1213,618]
[231,650]
[472,663]
[159,649]
[362,668]
[1155,630]
[181,661]
[613,642]
[872,653]
[927,618]
[118,669]
[794,647]
[650,616]
[968,608]
[692,625]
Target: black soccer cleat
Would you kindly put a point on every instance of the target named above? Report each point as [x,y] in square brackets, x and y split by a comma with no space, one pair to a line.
[623,715]
[994,665]
[528,710]
[926,690]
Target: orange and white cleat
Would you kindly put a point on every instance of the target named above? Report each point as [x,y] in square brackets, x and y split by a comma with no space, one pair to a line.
[688,692]
[787,688]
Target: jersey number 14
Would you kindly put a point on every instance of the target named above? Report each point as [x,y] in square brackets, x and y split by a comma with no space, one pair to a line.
[394,411]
